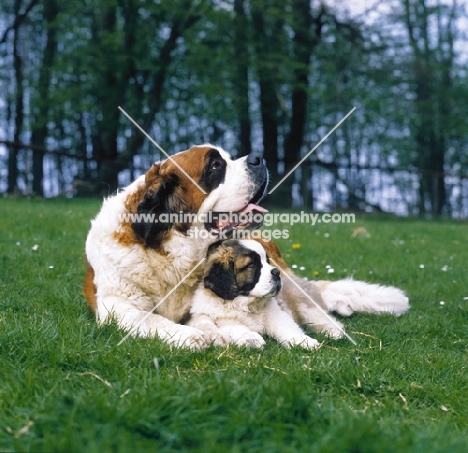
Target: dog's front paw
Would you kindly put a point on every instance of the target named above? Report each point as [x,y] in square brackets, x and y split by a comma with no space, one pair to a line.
[304,342]
[251,340]
[334,331]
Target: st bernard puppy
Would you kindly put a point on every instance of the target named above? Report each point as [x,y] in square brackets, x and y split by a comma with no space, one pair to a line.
[144,264]
[235,302]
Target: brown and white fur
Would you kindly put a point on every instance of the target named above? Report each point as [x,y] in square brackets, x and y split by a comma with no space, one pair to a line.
[135,268]
[235,302]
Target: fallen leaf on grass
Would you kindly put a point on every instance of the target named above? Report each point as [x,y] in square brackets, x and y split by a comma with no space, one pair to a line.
[403,399]
[273,369]
[89,373]
[125,393]
[360,231]
[25,429]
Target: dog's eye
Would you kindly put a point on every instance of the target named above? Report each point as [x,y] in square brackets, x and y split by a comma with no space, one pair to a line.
[215,165]
[250,265]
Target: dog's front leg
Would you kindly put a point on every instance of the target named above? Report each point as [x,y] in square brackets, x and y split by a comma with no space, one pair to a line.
[142,323]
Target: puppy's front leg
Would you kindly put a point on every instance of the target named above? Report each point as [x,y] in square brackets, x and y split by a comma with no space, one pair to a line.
[243,336]
[281,326]
[211,332]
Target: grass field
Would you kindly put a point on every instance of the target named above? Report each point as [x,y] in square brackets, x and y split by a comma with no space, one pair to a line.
[66,386]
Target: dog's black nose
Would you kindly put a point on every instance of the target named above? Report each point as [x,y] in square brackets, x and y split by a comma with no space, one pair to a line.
[254,160]
[275,272]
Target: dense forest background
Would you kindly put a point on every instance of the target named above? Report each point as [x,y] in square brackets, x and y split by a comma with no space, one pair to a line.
[273,76]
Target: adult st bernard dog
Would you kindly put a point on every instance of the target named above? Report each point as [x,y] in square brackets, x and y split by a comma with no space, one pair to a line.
[143,269]
[236,302]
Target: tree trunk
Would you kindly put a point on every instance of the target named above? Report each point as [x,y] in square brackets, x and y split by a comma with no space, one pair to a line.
[241,82]
[269,104]
[39,132]
[303,43]
[105,140]
[19,107]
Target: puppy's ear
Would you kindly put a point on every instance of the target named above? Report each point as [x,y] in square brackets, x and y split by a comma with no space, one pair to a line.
[161,199]
[152,174]
[221,279]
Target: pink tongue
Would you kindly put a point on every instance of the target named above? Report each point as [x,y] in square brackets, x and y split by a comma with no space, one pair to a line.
[252,207]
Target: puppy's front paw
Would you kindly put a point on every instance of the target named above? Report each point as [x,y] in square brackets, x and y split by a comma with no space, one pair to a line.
[251,340]
[184,337]
[220,339]
[304,342]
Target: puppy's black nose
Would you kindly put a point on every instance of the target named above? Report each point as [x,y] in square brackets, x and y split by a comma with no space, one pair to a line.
[275,272]
[254,160]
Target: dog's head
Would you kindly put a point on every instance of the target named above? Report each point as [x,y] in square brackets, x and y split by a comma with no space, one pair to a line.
[228,186]
[240,268]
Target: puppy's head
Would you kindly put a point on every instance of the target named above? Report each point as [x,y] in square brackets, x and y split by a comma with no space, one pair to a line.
[199,180]
[240,268]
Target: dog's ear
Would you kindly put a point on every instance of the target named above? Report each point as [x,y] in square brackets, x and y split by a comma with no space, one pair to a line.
[153,222]
[220,278]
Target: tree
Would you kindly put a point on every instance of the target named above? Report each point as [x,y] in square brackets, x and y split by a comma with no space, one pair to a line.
[268,33]
[19,104]
[307,31]
[431,40]
[241,49]
[41,105]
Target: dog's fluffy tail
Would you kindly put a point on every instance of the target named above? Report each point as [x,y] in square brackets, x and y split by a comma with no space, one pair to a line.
[348,296]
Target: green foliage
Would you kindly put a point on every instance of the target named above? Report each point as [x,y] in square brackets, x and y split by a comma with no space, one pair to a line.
[65,385]
[208,71]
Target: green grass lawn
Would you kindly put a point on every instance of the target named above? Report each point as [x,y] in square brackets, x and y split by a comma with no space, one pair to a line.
[66,386]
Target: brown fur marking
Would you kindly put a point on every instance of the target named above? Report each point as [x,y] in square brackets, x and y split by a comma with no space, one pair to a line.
[89,289]
[274,253]
[193,162]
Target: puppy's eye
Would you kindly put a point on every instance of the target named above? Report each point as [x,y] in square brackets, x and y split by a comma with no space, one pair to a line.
[250,265]
[215,165]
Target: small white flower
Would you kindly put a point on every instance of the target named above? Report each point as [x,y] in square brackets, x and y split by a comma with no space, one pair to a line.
[465,298]
[444,269]
[442,302]
[421,266]
[327,266]
[51,267]
[302,268]
[327,235]
[294,266]
[34,247]
[18,243]
[331,270]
